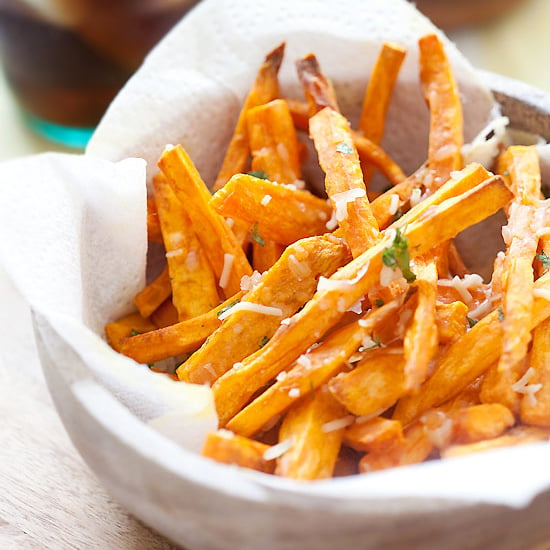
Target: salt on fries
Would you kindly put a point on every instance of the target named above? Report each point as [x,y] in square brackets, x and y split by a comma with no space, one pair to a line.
[347,335]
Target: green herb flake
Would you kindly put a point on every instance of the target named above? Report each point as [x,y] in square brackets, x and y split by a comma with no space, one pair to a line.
[471,322]
[151,365]
[375,345]
[264,341]
[255,236]
[134,332]
[228,306]
[344,148]
[260,174]
[397,256]
[544,259]
[379,302]
[500,314]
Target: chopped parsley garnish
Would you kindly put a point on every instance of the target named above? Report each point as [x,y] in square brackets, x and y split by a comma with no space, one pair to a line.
[379,302]
[500,314]
[544,259]
[228,306]
[259,174]
[397,256]
[134,332]
[376,343]
[151,365]
[471,322]
[264,341]
[344,148]
[255,236]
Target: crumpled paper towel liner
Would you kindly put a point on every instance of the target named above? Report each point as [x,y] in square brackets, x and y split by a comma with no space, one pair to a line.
[73,234]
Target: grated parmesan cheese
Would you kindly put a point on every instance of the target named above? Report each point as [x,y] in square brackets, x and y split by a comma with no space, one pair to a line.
[281,376]
[249,306]
[294,393]
[226,434]
[208,367]
[304,361]
[277,450]
[388,274]
[357,307]
[366,417]
[286,322]
[394,204]
[265,200]
[529,390]
[340,284]
[250,282]
[338,424]
[342,199]
[416,196]
[175,252]
[333,222]
[228,260]
[230,222]
[481,310]
[299,269]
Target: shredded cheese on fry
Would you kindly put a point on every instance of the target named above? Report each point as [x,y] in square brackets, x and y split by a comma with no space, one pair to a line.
[333,222]
[341,201]
[340,284]
[529,390]
[277,450]
[394,204]
[299,269]
[176,252]
[249,306]
[338,424]
[250,282]
[294,393]
[228,260]
[265,200]
[230,222]
[304,361]
[416,196]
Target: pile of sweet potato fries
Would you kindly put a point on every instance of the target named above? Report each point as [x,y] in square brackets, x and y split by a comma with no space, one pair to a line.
[346,335]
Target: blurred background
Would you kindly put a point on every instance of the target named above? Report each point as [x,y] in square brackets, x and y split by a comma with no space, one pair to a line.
[64,60]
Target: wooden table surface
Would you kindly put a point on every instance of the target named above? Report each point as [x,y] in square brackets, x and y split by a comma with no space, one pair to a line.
[50,499]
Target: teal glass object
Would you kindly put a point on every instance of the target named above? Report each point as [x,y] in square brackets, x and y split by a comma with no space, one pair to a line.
[76,138]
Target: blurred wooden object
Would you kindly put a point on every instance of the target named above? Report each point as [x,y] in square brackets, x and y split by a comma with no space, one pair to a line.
[454,13]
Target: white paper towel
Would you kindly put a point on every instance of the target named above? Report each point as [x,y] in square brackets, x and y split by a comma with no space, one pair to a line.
[73,228]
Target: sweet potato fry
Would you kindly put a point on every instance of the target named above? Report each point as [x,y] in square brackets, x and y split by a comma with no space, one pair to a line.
[519,435]
[283,289]
[264,90]
[377,435]
[377,96]
[154,294]
[480,422]
[467,359]
[343,179]
[308,373]
[194,288]
[153,226]
[218,242]
[535,404]
[273,142]
[416,447]
[351,283]
[282,214]
[520,164]
[442,95]
[451,320]
[421,339]
[118,331]
[317,87]
[165,315]
[373,386]
[175,339]
[264,256]
[312,427]
[229,448]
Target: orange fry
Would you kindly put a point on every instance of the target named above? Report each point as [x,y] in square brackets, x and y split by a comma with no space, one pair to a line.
[350,284]
[265,89]
[312,428]
[226,447]
[421,339]
[154,294]
[451,320]
[175,339]
[317,87]
[343,179]
[442,95]
[194,289]
[377,96]
[373,386]
[377,435]
[282,214]
[273,142]
[153,226]
[282,290]
[218,242]
[118,331]
[308,373]
[467,359]
[165,315]
[480,422]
